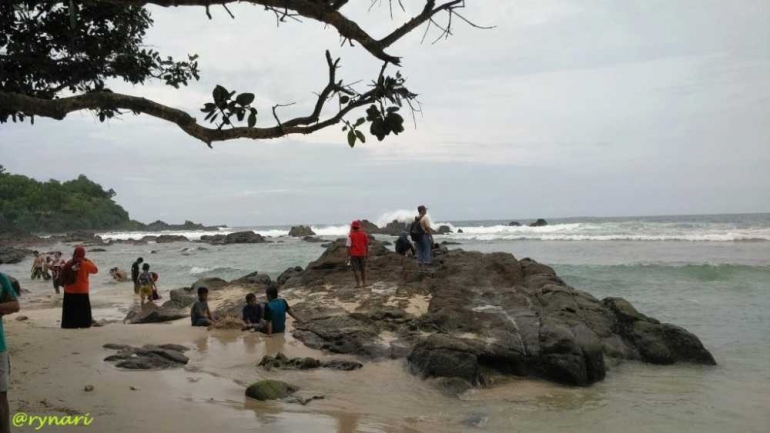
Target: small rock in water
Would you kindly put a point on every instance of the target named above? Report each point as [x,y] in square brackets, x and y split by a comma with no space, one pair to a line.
[476,420]
[133,388]
[270,390]
[88,388]
[22,318]
[303,398]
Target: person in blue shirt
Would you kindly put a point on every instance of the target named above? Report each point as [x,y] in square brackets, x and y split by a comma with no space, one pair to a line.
[276,310]
[9,304]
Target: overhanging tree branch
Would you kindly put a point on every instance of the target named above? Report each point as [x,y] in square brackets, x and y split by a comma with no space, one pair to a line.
[324,11]
[59,108]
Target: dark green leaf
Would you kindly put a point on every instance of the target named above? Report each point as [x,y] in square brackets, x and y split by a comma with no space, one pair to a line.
[245,98]
[360,121]
[344,128]
[344,99]
[219,94]
[351,138]
[252,118]
[361,136]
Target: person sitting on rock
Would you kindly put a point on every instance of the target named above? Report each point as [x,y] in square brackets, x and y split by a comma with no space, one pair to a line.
[275,311]
[146,284]
[404,245]
[252,314]
[200,313]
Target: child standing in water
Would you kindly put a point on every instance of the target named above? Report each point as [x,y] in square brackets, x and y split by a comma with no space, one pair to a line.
[146,284]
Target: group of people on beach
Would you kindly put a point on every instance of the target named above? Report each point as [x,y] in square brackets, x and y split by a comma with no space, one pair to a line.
[420,233]
[48,267]
[268,317]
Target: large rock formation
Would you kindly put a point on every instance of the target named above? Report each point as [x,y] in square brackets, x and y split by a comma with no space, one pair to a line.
[444,230]
[247,237]
[475,316]
[301,231]
[148,357]
[539,223]
[159,226]
[164,239]
[11,255]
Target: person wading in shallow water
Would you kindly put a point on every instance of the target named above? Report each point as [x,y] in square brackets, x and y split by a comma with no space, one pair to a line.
[76,307]
[8,305]
[56,265]
[135,273]
[358,252]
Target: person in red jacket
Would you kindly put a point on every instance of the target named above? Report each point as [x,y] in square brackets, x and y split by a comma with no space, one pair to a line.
[358,252]
[76,306]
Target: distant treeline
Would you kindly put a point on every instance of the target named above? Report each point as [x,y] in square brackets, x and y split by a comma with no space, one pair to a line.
[53,206]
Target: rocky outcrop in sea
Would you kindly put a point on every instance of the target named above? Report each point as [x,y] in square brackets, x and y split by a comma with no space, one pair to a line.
[476,316]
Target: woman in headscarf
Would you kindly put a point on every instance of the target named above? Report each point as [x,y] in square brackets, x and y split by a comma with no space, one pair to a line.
[76,309]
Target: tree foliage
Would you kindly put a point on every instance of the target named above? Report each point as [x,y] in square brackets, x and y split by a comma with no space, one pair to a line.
[55,206]
[57,57]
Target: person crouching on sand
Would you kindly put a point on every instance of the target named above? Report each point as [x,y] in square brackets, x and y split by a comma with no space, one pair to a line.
[200,314]
[358,252]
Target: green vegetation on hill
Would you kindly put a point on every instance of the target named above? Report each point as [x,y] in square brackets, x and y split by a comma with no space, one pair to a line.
[54,206]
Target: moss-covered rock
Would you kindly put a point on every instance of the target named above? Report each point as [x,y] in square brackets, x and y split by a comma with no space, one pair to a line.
[270,390]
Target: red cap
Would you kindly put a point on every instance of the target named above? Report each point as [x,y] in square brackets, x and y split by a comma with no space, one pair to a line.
[356,224]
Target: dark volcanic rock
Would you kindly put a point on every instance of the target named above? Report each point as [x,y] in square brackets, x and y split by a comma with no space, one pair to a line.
[444,230]
[270,390]
[287,274]
[79,237]
[159,226]
[209,283]
[164,239]
[539,223]
[313,239]
[149,357]
[247,237]
[97,250]
[369,227]
[282,362]
[394,228]
[301,231]
[152,313]
[514,224]
[11,255]
[254,278]
[213,239]
[487,315]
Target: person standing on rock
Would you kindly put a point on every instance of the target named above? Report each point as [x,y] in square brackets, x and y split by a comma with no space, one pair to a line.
[9,304]
[358,252]
[76,307]
[135,274]
[422,235]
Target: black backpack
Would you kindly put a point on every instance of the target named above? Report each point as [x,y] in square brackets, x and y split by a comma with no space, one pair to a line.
[416,231]
[68,276]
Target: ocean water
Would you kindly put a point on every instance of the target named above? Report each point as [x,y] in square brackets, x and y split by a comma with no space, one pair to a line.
[709,274]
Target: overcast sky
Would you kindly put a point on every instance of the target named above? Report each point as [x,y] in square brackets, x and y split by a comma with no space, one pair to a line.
[566,108]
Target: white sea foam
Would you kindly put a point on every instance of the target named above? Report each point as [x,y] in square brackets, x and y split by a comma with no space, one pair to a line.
[632,230]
